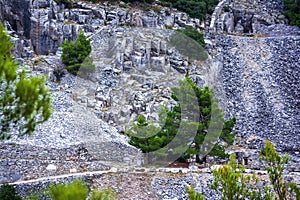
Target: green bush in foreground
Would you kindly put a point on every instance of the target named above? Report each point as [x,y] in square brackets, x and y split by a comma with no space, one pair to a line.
[78,190]
[8,192]
[24,101]
[233,184]
[275,164]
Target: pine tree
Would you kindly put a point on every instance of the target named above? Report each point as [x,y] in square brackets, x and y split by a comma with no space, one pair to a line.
[76,56]
[196,118]
[24,102]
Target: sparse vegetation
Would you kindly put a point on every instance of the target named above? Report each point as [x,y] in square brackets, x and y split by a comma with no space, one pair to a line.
[232,183]
[190,43]
[123,5]
[24,102]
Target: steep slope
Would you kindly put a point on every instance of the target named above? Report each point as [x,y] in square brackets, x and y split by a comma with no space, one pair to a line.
[260,70]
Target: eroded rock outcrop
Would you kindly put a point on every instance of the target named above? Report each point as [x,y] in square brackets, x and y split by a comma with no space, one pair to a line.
[46,24]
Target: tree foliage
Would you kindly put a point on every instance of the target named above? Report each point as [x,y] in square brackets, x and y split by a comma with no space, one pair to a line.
[8,192]
[76,56]
[24,102]
[195,8]
[78,190]
[233,184]
[193,195]
[150,137]
[275,164]
[292,11]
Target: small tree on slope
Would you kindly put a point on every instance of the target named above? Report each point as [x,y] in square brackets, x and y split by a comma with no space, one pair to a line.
[76,56]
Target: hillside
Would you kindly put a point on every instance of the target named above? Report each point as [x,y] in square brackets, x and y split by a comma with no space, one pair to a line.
[253,66]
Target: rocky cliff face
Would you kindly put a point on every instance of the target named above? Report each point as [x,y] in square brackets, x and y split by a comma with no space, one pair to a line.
[44,25]
[260,69]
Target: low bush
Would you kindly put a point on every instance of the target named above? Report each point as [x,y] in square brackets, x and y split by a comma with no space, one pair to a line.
[8,192]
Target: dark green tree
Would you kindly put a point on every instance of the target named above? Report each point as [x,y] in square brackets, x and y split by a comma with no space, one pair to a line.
[8,192]
[195,8]
[76,56]
[151,138]
[292,11]
[24,102]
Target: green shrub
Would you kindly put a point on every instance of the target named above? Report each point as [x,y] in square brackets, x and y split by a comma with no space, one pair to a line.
[123,5]
[233,184]
[292,11]
[275,164]
[194,195]
[76,190]
[107,194]
[76,56]
[8,192]
[231,181]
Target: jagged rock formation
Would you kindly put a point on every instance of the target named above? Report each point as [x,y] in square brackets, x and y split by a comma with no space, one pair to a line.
[43,25]
[136,68]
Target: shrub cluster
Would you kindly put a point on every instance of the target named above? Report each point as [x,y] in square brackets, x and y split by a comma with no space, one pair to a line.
[233,183]
[76,190]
